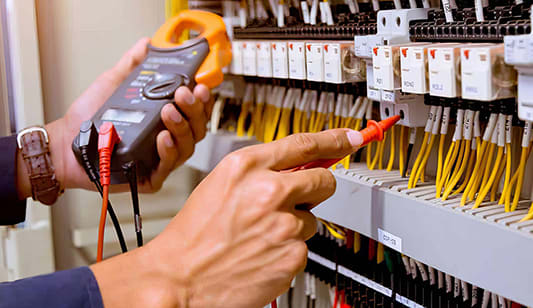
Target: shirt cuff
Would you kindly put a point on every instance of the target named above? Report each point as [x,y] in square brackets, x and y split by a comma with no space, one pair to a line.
[70,288]
[12,210]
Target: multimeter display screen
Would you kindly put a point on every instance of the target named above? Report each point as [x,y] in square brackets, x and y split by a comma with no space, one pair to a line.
[122,115]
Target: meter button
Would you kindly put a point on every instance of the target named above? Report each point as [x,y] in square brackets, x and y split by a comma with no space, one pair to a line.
[162,86]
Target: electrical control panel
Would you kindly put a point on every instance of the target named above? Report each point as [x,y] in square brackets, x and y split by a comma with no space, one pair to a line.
[460,77]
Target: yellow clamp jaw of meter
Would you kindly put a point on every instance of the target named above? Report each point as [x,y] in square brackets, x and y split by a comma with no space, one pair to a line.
[135,106]
[212,28]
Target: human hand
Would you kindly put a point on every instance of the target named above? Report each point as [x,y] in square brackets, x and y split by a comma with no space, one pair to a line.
[174,145]
[240,239]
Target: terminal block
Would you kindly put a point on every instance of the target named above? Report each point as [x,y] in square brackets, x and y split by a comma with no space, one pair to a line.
[499,21]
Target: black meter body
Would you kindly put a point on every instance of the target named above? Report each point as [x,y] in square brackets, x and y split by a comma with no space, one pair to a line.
[135,107]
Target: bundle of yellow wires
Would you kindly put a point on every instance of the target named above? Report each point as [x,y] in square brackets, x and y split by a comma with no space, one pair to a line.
[465,158]
[284,129]
[274,109]
[445,121]
[434,130]
[475,179]
[498,138]
[475,145]
[427,131]
[456,150]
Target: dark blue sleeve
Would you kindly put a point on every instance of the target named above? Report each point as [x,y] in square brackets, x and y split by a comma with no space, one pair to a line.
[75,288]
[12,210]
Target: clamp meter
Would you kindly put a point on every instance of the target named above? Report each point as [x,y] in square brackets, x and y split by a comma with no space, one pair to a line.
[135,107]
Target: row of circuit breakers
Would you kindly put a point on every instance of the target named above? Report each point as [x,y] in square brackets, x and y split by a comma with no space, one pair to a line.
[396,70]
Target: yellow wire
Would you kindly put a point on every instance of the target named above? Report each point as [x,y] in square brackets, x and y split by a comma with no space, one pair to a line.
[521,171]
[419,158]
[471,161]
[376,157]
[369,156]
[459,174]
[488,185]
[356,242]
[490,156]
[506,191]
[487,157]
[529,214]
[478,147]
[382,150]
[496,183]
[472,180]
[452,152]
[458,162]
[439,161]
[392,149]
[380,256]
[401,149]
[296,121]
[284,123]
[336,232]
[424,161]
[241,121]
[508,167]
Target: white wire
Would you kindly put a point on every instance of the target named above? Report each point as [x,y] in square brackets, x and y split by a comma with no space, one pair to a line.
[305,11]
[479,10]
[375,5]
[314,12]
[425,4]
[281,15]
[397,4]
[412,4]
[446,5]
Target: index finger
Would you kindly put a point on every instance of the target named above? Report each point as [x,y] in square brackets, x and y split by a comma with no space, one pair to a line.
[299,149]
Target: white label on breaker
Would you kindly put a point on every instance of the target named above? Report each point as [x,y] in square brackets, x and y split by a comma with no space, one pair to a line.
[390,240]
[373,94]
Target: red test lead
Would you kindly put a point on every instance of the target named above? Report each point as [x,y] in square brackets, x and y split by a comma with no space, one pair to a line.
[374,131]
[107,139]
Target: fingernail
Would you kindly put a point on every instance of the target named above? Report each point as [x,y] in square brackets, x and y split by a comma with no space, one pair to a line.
[204,95]
[186,95]
[355,138]
[169,142]
[175,116]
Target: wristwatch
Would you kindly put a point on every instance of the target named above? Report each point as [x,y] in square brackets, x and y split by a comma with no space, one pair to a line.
[33,145]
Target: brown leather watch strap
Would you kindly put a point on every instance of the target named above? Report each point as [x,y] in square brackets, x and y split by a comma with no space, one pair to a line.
[33,143]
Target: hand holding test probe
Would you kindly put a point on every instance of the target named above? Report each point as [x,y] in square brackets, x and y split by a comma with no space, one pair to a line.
[239,240]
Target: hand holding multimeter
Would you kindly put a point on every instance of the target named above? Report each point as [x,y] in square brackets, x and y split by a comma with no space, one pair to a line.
[135,107]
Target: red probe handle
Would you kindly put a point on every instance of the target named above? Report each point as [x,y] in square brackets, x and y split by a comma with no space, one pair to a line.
[373,132]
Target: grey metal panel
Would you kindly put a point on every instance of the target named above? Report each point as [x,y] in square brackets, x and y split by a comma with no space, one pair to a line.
[491,255]
[210,151]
